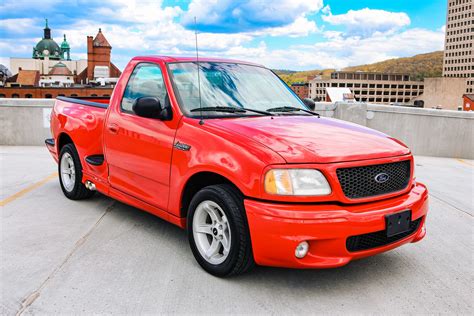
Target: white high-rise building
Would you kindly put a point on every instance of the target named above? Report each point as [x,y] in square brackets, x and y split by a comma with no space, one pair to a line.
[459,42]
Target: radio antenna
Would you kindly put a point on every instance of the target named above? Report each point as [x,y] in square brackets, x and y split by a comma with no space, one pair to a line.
[197,65]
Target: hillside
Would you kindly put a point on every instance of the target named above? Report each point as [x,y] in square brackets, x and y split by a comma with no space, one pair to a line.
[419,66]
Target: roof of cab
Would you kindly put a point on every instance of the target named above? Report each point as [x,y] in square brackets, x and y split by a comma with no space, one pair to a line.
[177,59]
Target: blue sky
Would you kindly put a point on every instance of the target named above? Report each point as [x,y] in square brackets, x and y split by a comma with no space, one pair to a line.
[285,34]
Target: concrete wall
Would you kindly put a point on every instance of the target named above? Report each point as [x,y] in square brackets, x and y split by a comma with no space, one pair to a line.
[443,91]
[24,121]
[428,132]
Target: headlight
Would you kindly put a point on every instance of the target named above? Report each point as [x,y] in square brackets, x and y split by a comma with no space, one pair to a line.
[296,182]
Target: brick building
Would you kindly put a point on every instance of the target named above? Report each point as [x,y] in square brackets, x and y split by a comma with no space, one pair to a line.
[468,102]
[51,73]
[51,93]
[301,89]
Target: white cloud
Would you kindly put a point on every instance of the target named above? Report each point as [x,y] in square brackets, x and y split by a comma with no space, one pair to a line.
[366,22]
[143,12]
[5,61]
[229,16]
[338,52]
[8,6]
[18,26]
[299,28]
[145,27]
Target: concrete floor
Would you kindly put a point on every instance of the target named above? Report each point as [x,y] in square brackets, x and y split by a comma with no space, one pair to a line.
[100,256]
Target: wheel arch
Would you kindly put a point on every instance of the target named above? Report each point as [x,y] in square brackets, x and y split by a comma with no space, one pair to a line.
[198,181]
[63,139]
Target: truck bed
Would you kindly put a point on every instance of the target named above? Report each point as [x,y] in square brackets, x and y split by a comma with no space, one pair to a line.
[82,121]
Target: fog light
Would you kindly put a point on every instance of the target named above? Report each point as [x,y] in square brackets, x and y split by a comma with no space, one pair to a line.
[302,249]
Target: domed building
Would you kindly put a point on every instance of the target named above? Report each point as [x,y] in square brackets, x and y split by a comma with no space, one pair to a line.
[50,72]
[47,47]
[59,76]
[46,54]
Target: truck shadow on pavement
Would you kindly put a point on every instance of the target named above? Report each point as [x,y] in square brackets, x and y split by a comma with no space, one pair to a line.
[168,236]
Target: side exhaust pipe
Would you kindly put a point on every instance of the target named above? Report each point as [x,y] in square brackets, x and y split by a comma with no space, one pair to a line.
[89,185]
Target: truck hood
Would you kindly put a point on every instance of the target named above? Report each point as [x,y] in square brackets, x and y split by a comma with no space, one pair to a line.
[309,139]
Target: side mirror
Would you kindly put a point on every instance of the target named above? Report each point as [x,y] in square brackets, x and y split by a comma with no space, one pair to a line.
[151,107]
[309,103]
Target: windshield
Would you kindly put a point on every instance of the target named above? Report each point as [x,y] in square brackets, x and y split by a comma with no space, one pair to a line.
[230,85]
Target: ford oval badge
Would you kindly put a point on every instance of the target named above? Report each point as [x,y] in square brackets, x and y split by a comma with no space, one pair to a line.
[381,178]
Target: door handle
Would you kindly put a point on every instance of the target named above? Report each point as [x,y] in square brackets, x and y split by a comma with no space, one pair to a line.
[113,128]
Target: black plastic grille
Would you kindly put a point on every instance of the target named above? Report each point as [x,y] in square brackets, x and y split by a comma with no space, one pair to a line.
[378,239]
[359,182]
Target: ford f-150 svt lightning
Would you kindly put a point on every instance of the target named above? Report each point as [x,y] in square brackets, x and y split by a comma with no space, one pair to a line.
[225,150]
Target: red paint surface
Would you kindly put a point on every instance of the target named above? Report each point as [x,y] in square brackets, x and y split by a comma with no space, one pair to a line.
[143,169]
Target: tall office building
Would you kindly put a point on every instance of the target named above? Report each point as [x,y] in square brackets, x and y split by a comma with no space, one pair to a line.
[459,42]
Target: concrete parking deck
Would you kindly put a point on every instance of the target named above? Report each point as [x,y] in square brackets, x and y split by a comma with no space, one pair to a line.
[100,256]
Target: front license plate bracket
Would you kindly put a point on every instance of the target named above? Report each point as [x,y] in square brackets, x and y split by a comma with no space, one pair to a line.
[397,223]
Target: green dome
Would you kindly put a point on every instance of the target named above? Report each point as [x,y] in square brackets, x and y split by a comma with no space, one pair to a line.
[48,44]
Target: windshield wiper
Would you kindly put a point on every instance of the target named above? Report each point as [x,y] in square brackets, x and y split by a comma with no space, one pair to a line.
[229,109]
[291,109]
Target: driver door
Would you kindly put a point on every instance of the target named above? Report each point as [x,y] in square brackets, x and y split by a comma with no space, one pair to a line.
[138,149]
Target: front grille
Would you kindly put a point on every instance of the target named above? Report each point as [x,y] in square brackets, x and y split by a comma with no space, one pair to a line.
[360,182]
[378,239]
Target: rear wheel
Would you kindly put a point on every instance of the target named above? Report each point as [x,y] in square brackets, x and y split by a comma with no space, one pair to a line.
[218,232]
[70,174]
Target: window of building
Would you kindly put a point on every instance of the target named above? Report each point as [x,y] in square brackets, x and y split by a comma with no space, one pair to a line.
[2,95]
[15,95]
[28,96]
[93,95]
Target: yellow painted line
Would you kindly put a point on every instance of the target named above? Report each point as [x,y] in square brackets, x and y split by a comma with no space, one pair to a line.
[465,162]
[19,194]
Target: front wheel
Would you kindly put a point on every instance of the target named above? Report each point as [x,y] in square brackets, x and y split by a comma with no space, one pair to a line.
[218,232]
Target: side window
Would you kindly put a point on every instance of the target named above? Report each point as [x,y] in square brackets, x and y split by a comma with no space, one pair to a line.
[145,81]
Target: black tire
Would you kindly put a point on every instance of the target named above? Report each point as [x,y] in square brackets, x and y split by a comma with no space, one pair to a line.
[240,257]
[79,191]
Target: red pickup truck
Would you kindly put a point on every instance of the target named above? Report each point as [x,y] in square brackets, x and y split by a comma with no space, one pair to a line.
[225,150]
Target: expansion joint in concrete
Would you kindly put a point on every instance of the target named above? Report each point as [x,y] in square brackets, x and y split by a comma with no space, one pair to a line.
[31,298]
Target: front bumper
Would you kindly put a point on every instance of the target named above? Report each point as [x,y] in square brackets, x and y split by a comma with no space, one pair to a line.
[276,229]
